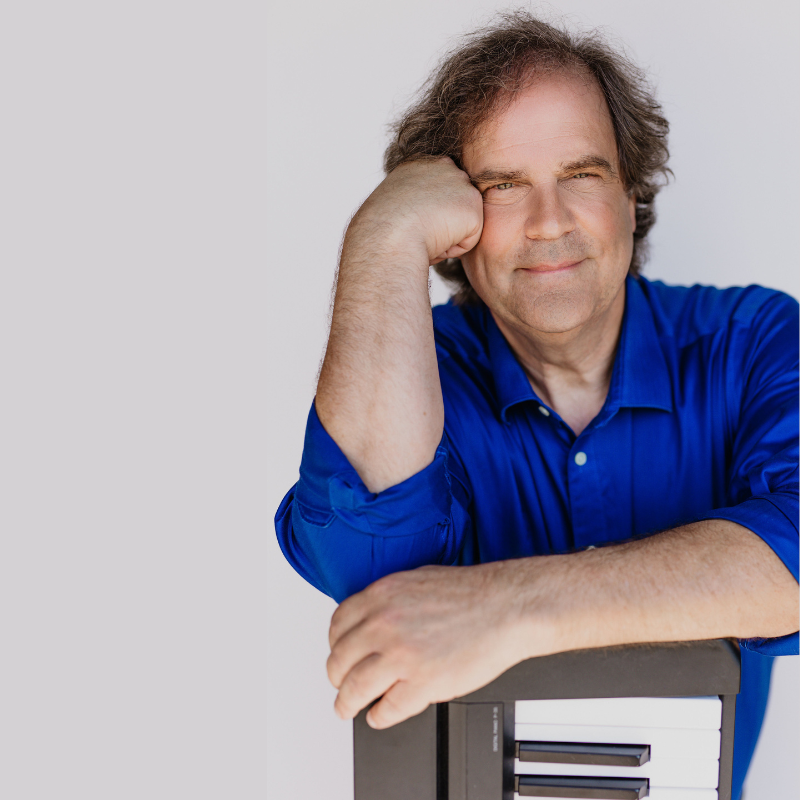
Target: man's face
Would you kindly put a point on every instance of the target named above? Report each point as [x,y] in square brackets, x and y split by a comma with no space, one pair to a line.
[558,223]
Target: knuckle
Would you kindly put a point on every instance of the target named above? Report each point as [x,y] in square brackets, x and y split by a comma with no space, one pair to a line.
[341,707]
[339,611]
[390,706]
[386,616]
[355,689]
[384,713]
[372,634]
[398,705]
[410,650]
[353,686]
[333,637]
[332,667]
[407,657]
[386,628]
[335,626]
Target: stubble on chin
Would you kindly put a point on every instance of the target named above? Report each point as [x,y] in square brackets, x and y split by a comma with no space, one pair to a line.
[548,310]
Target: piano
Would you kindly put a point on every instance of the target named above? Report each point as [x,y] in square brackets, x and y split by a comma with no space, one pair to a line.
[614,723]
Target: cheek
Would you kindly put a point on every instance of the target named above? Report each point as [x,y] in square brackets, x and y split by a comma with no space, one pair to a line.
[501,236]
[608,220]
[502,230]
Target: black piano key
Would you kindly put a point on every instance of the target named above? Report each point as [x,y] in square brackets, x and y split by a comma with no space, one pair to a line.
[611,755]
[582,788]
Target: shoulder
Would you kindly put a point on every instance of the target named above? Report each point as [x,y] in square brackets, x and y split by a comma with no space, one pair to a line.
[460,331]
[465,364]
[689,313]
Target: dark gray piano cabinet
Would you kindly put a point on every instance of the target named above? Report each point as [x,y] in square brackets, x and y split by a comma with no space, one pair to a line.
[429,757]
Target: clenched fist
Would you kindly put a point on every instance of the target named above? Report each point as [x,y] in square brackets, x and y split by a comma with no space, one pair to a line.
[429,204]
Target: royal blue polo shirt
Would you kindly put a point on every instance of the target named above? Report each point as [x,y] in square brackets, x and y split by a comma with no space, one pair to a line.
[700,422]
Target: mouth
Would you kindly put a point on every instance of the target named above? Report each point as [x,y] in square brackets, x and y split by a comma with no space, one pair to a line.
[561,266]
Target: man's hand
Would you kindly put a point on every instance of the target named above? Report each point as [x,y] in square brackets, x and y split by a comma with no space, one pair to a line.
[436,633]
[424,636]
[430,203]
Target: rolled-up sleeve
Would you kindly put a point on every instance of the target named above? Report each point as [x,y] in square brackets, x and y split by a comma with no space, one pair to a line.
[341,537]
[764,475]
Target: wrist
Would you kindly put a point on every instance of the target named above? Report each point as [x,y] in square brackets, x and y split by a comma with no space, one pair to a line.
[373,234]
[529,603]
[555,608]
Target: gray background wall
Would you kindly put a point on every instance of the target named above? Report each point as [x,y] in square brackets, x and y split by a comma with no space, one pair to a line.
[175,180]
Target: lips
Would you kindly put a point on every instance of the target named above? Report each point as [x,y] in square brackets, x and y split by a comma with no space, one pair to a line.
[561,266]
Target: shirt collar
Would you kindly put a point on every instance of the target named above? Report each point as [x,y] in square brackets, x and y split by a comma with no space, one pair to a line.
[510,381]
[640,378]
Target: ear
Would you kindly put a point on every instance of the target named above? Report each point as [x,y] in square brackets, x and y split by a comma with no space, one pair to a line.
[632,211]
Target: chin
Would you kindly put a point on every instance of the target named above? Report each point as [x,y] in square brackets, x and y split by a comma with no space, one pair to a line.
[552,311]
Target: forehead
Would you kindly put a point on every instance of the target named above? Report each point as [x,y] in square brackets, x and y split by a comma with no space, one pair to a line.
[560,116]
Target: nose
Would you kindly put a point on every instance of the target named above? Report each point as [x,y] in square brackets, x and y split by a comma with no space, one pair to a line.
[548,215]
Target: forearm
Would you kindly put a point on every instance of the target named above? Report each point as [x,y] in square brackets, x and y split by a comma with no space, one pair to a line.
[379,390]
[431,634]
[706,580]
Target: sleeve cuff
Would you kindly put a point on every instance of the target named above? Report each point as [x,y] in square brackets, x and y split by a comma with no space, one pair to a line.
[773,524]
[771,519]
[330,488]
[782,646]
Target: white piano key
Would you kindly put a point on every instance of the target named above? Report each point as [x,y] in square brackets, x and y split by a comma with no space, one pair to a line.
[664,742]
[636,712]
[660,794]
[695,773]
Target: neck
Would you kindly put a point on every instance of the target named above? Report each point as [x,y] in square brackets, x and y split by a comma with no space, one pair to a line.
[571,370]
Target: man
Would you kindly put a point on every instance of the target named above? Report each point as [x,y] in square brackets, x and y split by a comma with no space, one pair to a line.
[462,468]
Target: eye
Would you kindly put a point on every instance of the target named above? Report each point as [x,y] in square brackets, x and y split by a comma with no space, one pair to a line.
[505,194]
[583,175]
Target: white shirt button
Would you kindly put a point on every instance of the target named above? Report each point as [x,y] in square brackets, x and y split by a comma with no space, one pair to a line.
[580,458]
[543,410]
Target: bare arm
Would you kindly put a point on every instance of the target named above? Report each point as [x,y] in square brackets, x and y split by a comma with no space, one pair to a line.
[435,633]
[379,395]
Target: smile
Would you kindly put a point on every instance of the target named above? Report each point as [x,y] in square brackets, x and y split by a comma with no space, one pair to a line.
[561,266]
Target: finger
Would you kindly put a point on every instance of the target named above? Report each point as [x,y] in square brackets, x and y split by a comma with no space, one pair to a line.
[349,650]
[468,242]
[457,250]
[348,615]
[367,680]
[401,701]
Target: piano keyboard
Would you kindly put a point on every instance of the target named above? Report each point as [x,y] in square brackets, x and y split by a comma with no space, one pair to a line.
[630,738]
[564,727]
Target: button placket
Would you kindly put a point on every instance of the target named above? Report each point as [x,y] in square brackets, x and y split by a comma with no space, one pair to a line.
[586,495]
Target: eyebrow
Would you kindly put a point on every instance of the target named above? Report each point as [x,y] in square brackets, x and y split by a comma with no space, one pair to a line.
[584,162]
[497,176]
[588,162]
